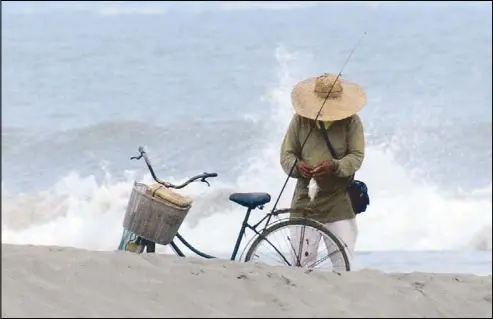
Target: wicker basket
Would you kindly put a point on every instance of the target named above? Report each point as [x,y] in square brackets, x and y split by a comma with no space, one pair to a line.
[153,218]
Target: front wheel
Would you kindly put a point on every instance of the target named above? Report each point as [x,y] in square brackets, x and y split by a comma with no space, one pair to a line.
[296,243]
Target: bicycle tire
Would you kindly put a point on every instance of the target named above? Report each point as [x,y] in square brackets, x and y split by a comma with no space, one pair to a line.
[297,222]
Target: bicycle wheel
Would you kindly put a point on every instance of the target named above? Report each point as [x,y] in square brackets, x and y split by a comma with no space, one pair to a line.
[300,246]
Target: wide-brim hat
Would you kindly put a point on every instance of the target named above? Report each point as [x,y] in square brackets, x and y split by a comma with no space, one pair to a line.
[345,98]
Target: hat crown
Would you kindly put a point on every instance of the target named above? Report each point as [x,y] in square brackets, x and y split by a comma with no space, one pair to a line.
[328,84]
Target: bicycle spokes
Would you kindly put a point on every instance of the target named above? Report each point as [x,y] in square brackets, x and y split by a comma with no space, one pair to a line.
[299,245]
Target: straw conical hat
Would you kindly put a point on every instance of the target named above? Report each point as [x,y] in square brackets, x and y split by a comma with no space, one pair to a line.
[345,98]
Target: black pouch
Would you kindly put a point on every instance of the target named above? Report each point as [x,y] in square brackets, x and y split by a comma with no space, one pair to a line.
[358,193]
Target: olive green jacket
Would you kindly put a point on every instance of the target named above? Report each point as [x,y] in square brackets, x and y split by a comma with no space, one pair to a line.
[332,202]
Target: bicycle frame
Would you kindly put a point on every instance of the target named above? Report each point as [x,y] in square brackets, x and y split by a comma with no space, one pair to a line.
[244,226]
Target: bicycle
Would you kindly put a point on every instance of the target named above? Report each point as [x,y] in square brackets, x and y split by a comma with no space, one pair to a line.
[301,255]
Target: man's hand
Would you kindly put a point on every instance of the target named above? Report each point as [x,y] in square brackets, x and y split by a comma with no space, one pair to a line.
[324,168]
[304,169]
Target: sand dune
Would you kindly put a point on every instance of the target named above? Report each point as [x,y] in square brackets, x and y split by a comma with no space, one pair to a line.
[58,282]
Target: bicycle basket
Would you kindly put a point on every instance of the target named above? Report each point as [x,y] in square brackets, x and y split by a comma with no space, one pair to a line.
[154,218]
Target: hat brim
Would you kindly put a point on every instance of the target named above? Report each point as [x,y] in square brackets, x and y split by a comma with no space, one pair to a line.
[307,104]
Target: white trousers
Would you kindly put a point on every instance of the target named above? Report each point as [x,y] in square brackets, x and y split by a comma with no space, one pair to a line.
[345,230]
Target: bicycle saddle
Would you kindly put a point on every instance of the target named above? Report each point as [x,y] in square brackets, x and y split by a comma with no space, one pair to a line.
[250,200]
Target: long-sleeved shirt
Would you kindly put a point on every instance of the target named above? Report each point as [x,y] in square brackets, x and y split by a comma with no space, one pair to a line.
[332,202]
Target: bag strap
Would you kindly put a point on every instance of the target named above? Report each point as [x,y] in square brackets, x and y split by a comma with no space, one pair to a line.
[327,141]
[329,145]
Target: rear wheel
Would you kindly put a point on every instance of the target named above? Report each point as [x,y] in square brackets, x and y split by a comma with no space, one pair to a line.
[299,242]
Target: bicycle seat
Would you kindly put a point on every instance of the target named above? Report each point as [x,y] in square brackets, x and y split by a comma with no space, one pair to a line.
[250,200]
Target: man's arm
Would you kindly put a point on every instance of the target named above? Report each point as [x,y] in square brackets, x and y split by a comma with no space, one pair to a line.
[291,148]
[349,164]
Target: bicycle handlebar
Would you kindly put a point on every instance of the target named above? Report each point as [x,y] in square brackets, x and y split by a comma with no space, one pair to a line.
[202,177]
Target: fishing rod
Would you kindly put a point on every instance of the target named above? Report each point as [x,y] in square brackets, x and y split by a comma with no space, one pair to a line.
[314,123]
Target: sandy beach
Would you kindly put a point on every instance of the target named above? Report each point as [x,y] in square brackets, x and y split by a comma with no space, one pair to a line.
[57,282]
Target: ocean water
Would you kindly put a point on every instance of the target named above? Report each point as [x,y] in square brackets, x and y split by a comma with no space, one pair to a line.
[206,87]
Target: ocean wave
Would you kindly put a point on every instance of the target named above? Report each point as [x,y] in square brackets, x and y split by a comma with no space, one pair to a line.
[406,212]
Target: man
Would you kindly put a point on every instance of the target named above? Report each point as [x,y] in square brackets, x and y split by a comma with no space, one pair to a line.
[341,101]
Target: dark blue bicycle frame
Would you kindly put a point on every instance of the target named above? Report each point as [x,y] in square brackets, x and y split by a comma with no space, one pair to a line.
[244,225]
[239,239]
